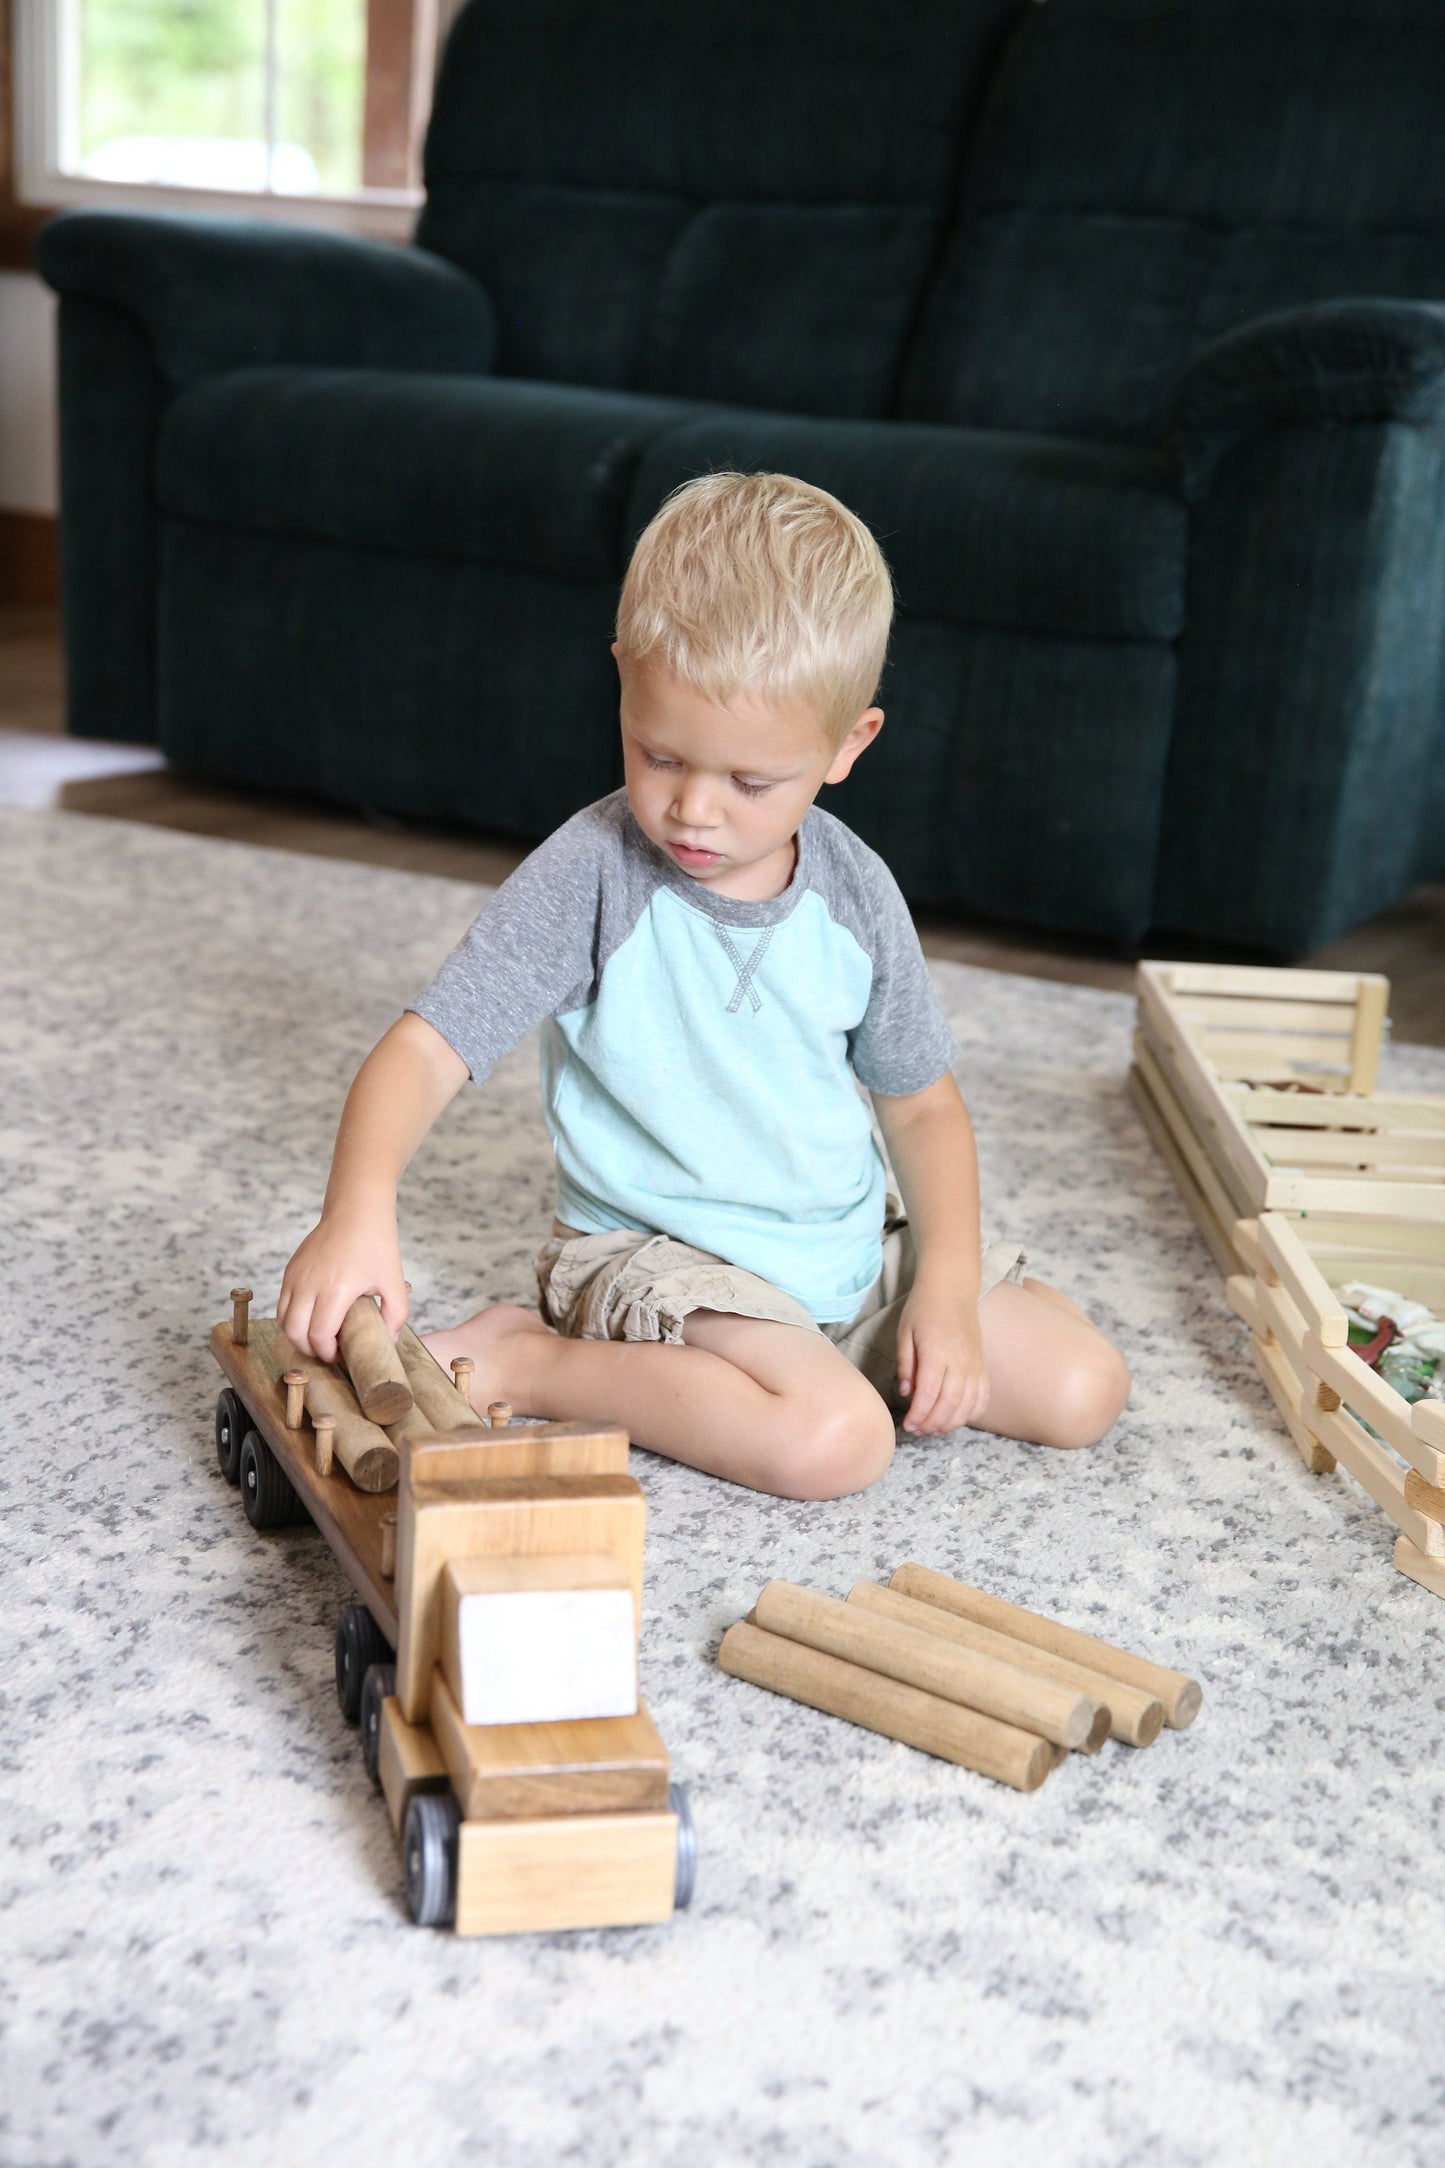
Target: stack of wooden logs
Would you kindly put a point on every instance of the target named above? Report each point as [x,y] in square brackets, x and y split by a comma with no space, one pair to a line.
[957,1673]
[1259,1088]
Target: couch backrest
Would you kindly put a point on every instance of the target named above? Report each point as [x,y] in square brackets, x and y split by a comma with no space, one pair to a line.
[1147,174]
[739,200]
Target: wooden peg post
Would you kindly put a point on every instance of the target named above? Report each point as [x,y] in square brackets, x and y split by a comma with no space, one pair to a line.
[462,1368]
[388,1547]
[499,1413]
[325,1428]
[295,1384]
[241,1316]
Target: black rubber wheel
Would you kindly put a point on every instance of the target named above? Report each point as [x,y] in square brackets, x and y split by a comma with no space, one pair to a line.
[380,1681]
[360,1643]
[232,1423]
[685,1879]
[429,1858]
[266,1491]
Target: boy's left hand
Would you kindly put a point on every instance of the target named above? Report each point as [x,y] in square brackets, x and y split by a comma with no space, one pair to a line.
[942,1374]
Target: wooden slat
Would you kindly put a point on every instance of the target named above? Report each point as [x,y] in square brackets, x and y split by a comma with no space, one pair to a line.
[1367,1395]
[1369,1033]
[1385,1149]
[1423,1201]
[1243,1012]
[1213,1114]
[1261,980]
[1281,1320]
[1283,1388]
[1341,1110]
[1345,1231]
[1220,1186]
[1192,1196]
[1429,1572]
[1271,1052]
[1375,1471]
[349,1519]
[1287,1258]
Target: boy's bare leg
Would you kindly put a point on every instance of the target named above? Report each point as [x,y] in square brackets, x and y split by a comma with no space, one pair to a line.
[1053,1377]
[768,1405]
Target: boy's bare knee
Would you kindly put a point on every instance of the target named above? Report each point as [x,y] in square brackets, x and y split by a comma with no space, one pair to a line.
[835,1450]
[1090,1392]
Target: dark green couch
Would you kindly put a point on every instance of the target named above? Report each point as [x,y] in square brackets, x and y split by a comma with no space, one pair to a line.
[1119,320]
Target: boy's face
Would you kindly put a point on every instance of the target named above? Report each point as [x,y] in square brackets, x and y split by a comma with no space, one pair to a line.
[722,790]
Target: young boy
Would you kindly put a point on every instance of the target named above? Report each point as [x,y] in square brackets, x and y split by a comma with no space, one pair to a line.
[714,961]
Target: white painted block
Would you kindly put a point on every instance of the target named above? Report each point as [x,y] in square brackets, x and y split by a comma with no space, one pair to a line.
[539,1640]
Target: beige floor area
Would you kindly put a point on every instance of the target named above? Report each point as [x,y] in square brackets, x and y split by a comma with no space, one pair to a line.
[39,764]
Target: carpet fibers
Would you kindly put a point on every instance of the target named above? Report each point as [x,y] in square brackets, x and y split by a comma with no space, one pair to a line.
[1227,1949]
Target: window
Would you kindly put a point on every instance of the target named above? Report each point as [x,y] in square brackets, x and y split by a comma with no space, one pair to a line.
[296,108]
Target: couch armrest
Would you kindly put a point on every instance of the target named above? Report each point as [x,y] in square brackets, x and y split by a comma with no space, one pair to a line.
[1338,361]
[210,294]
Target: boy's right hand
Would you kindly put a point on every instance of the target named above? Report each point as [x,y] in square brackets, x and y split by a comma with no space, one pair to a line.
[345,1255]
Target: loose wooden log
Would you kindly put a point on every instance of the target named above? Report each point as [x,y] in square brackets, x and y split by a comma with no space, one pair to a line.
[241,1315]
[366,1453]
[1045,1706]
[324,1427]
[372,1363]
[981,1743]
[1135,1718]
[295,1384]
[434,1392]
[1179,1695]
[462,1368]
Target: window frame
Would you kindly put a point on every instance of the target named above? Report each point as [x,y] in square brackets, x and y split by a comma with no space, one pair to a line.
[42,36]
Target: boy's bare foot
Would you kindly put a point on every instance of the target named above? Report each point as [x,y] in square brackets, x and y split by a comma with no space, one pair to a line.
[487,1338]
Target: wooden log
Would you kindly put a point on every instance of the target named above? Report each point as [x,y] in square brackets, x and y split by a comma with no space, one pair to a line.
[1180,1696]
[934,1726]
[366,1453]
[433,1391]
[1059,1713]
[372,1364]
[1136,1718]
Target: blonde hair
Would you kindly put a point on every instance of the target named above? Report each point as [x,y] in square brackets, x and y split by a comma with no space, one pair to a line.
[763,582]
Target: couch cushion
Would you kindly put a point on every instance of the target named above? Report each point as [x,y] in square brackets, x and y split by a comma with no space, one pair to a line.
[471,467]
[740,201]
[1150,173]
[1021,532]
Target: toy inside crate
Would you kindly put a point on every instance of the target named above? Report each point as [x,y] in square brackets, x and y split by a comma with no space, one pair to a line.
[1259,1087]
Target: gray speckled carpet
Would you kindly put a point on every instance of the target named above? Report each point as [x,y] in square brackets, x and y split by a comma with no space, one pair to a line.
[1228,1949]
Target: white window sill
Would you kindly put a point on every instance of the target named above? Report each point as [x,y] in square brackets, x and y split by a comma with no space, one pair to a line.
[388,214]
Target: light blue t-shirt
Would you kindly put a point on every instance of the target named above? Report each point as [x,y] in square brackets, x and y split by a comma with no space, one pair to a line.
[699,1053]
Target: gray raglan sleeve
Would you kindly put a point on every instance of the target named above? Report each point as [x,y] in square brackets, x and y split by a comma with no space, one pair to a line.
[902,1043]
[530,954]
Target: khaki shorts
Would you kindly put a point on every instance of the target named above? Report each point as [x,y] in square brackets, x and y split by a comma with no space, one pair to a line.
[631,1286]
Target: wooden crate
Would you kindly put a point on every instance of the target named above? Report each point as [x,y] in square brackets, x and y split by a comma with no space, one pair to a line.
[1336,1408]
[1259,1088]
[1258,1085]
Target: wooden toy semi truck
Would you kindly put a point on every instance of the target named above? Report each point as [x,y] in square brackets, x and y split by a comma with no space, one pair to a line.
[490,1652]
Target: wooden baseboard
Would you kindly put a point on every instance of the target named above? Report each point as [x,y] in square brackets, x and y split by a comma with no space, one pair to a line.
[29,560]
